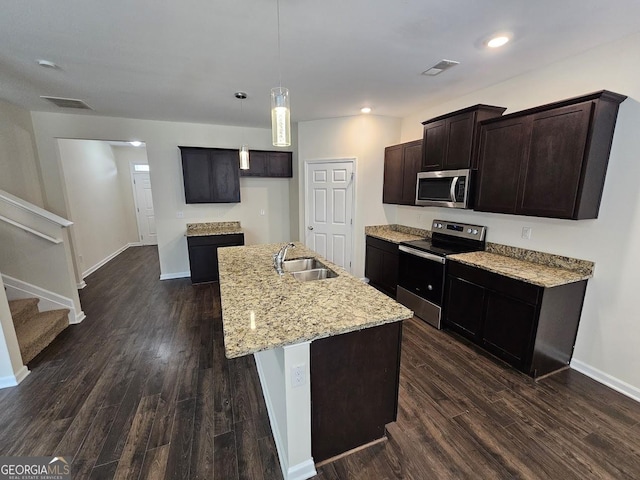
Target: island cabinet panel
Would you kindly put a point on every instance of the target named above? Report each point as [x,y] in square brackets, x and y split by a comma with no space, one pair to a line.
[382,264]
[449,140]
[203,255]
[354,388]
[211,175]
[549,161]
[266,163]
[532,328]
[401,167]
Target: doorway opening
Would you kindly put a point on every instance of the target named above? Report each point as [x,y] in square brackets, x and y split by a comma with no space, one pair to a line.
[103,202]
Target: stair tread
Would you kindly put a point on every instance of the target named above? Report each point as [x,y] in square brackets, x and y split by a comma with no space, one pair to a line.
[35,334]
[22,304]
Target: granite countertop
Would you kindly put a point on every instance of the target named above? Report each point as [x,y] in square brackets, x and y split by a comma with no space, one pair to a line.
[262,310]
[213,228]
[543,275]
[396,233]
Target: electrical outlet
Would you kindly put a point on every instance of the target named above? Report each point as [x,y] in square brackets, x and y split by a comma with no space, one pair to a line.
[180,215]
[298,376]
[526,233]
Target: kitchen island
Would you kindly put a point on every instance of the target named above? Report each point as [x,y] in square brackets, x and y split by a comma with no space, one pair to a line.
[334,343]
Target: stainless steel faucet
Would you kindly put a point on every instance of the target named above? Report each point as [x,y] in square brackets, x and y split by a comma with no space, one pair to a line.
[278,258]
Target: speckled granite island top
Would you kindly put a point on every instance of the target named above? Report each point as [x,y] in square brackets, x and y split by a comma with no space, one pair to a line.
[530,272]
[262,310]
[396,233]
[213,228]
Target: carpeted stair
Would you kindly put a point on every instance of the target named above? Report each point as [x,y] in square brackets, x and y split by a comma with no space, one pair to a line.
[35,329]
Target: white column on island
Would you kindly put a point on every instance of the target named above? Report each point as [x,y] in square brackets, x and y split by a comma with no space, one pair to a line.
[289,407]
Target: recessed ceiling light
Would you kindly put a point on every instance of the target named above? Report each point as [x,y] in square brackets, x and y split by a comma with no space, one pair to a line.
[498,41]
[136,143]
[365,109]
[47,64]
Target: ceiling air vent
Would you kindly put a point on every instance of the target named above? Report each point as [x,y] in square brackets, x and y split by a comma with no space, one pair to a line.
[67,102]
[440,67]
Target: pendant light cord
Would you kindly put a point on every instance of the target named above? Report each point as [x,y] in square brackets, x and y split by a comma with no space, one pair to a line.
[279,56]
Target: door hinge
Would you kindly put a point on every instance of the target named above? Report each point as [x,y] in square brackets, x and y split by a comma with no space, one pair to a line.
[352,175]
[134,181]
[351,222]
[138,210]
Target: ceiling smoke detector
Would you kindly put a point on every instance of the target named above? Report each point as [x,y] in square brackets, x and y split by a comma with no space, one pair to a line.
[440,67]
[67,102]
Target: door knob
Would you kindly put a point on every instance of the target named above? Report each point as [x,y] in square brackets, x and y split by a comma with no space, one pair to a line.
[310,227]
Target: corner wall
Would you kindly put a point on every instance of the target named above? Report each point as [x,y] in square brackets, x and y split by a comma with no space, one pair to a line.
[19,169]
[607,344]
[162,140]
[98,206]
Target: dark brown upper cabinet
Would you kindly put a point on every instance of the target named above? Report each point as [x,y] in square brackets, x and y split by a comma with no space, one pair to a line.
[211,175]
[548,161]
[449,140]
[264,163]
[401,167]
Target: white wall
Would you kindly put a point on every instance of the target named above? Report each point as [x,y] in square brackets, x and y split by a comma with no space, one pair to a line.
[19,173]
[125,157]
[363,137]
[609,328]
[162,140]
[101,211]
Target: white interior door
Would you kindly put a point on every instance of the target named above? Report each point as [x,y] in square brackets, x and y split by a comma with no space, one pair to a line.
[144,207]
[329,212]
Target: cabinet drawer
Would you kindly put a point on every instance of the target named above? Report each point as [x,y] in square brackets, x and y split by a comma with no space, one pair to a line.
[518,289]
[217,240]
[383,245]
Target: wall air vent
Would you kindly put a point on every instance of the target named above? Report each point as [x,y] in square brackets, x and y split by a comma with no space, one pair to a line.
[440,67]
[67,102]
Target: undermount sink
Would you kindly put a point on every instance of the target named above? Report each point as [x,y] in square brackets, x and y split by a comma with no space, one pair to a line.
[314,274]
[300,264]
[307,269]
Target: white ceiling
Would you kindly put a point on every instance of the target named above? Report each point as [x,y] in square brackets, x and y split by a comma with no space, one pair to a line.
[183,61]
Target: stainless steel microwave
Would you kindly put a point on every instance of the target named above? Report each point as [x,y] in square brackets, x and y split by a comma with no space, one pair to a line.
[447,188]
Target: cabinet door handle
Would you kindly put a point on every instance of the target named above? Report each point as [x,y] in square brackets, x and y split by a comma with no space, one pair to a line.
[310,227]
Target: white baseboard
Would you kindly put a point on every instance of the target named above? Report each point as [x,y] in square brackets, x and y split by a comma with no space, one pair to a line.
[81,285]
[104,261]
[17,289]
[606,379]
[78,319]
[173,276]
[300,471]
[13,380]
[136,244]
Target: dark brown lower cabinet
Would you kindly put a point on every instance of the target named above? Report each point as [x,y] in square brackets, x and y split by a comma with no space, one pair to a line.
[354,388]
[381,265]
[203,255]
[530,327]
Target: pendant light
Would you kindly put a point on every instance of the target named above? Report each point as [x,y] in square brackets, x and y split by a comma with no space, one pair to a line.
[280,112]
[244,149]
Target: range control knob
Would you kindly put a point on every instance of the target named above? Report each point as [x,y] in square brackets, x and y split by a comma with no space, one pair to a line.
[429,287]
[475,232]
[468,230]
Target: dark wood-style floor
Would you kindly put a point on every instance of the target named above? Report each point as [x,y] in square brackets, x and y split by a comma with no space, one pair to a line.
[141,389]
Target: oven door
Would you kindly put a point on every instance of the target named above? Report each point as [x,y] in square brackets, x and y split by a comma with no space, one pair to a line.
[421,283]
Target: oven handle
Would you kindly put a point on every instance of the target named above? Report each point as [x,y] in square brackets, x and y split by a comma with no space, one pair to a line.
[420,253]
[452,192]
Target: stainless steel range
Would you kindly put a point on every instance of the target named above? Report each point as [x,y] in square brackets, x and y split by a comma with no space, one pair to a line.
[422,266]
